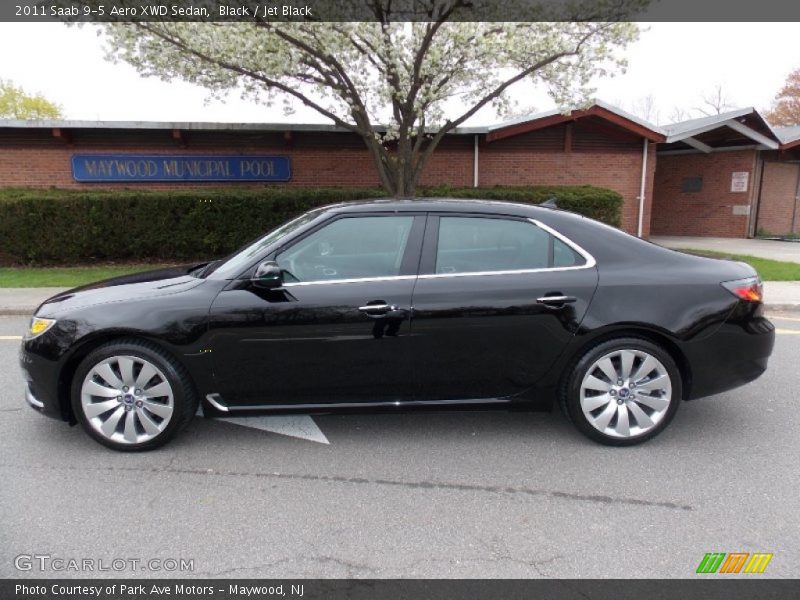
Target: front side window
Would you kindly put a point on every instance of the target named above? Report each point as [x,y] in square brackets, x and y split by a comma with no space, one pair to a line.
[480,244]
[241,259]
[348,248]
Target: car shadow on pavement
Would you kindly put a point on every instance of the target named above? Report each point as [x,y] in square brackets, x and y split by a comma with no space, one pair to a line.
[718,418]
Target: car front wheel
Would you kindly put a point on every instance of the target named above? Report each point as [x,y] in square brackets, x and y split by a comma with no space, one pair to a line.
[622,392]
[131,396]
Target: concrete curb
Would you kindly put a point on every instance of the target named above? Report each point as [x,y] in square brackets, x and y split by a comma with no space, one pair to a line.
[24,301]
[17,312]
[782,307]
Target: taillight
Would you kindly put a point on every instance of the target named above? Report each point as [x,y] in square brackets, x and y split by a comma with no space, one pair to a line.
[750,289]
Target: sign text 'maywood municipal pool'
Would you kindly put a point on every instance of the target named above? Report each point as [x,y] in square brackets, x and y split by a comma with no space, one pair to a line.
[142,168]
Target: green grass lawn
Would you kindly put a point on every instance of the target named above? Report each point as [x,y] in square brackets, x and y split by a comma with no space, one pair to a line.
[65,276]
[770,270]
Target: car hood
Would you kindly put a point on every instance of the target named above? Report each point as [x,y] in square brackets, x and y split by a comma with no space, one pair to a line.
[147,284]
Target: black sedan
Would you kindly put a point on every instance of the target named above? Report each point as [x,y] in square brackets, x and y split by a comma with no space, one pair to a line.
[390,305]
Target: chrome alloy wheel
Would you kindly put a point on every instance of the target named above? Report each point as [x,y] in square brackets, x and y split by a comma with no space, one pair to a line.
[626,393]
[127,399]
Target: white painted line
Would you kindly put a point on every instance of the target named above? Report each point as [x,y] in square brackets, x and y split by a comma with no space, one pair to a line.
[787,331]
[10,338]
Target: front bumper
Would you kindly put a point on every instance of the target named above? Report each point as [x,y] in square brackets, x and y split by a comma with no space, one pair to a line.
[41,384]
[32,401]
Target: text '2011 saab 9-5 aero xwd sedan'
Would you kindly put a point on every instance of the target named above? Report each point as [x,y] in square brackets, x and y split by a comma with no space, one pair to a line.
[389,305]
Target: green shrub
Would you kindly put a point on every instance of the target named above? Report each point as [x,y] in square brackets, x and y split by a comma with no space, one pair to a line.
[66,226]
[598,203]
[763,233]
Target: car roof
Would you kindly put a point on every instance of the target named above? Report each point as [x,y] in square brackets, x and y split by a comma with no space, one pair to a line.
[438,205]
[603,241]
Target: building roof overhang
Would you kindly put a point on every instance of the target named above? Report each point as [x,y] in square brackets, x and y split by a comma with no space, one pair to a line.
[708,134]
[741,128]
[502,130]
[599,109]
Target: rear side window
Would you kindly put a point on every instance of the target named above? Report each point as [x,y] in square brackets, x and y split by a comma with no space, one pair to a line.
[564,256]
[481,244]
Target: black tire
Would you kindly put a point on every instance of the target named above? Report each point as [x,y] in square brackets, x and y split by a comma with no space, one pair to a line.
[183,395]
[570,389]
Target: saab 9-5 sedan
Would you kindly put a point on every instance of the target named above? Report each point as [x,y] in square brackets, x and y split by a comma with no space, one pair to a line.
[390,305]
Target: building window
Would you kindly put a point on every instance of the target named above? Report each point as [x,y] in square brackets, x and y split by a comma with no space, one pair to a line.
[691,185]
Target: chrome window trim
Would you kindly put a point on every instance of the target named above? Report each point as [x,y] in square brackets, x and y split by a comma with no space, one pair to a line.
[514,272]
[590,263]
[356,280]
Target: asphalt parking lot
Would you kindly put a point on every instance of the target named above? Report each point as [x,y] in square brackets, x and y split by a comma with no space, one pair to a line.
[470,494]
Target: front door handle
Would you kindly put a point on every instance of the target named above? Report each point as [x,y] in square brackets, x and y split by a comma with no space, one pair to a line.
[376,309]
[555,301]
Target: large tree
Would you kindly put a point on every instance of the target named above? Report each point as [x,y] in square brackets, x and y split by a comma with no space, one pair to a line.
[786,107]
[15,103]
[400,86]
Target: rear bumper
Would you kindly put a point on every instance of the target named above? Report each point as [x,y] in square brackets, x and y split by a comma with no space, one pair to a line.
[736,354]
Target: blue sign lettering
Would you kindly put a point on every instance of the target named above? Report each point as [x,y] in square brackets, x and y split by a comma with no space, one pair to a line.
[164,167]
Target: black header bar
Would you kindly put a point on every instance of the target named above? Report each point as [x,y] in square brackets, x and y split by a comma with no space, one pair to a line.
[399,10]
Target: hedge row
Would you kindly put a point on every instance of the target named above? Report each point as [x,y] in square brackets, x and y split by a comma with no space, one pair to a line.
[598,203]
[53,226]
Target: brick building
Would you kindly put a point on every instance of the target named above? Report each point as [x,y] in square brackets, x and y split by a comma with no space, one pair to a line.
[601,146]
[727,175]
[674,181]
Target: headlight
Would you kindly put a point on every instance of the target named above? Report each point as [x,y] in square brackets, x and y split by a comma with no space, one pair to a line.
[39,326]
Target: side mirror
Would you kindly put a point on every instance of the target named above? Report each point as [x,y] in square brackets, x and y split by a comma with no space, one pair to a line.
[268,276]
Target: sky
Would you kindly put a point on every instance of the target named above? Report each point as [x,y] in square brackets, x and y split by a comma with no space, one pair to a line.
[675,64]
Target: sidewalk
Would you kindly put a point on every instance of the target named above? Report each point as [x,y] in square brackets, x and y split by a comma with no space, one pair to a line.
[771,249]
[782,295]
[779,295]
[23,301]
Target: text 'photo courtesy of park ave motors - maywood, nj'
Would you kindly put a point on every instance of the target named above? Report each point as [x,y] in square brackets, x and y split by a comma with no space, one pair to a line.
[158,590]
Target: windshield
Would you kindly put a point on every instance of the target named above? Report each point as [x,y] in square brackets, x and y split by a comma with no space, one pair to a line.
[237,262]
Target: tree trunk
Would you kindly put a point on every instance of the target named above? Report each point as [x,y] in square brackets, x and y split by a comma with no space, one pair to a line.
[399,175]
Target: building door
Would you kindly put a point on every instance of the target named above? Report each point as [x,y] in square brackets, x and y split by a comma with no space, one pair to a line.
[778,213]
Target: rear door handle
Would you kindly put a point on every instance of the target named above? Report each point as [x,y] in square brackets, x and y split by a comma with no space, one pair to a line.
[380,309]
[556,300]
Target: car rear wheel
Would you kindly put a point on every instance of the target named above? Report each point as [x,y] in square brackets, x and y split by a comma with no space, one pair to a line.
[130,395]
[622,392]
